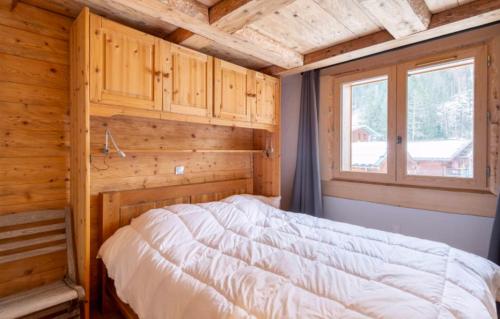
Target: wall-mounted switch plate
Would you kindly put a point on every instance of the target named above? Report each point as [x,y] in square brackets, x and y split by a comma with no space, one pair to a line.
[179,170]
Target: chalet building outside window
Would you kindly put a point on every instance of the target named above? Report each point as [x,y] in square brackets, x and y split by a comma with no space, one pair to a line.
[422,122]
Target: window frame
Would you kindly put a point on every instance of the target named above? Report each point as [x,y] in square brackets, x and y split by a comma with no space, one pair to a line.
[397,126]
[479,178]
[390,175]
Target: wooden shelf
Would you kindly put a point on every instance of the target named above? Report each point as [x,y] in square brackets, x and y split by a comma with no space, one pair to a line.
[104,110]
[168,151]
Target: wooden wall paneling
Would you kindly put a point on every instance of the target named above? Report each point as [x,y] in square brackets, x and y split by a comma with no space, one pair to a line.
[187,81]
[27,44]
[31,19]
[33,117]
[33,72]
[135,19]
[150,170]
[160,134]
[230,91]
[30,94]
[267,167]
[125,66]
[80,150]
[33,129]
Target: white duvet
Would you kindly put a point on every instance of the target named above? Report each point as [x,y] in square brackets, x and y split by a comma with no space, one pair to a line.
[241,258]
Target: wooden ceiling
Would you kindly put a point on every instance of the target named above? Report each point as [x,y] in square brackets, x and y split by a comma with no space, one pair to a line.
[289,36]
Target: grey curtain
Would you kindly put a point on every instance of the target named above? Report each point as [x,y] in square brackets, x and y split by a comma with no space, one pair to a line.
[494,252]
[306,195]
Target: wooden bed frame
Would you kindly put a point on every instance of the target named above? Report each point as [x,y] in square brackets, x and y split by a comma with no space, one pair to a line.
[119,207]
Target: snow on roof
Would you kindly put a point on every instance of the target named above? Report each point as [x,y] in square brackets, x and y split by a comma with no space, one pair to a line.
[373,153]
[368,153]
[444,150]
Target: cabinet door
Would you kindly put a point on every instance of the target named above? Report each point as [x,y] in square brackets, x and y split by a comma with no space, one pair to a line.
[231,95]
[268,90]
[187,80]
[125,66]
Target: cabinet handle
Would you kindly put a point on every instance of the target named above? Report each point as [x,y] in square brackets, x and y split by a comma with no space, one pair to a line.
[251,95]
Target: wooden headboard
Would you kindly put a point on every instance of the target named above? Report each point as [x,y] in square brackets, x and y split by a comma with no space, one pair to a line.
[119,207]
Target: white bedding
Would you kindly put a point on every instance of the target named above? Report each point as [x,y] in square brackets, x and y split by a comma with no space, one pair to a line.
[241,258]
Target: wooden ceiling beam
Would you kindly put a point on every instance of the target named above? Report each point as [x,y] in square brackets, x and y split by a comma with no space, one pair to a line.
[193,16]
[234,15]
[179,35]
[271,70]
[400,17]
[470,15]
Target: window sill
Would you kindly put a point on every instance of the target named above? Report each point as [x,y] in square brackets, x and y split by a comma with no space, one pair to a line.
[466,202]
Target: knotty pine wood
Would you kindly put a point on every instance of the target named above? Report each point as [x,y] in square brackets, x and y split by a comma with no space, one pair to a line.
[186,92]
[232,91]
[148,170]
[34,139]
[80,147]
[125,66]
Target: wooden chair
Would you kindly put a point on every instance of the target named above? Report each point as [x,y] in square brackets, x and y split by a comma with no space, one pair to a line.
[30,234]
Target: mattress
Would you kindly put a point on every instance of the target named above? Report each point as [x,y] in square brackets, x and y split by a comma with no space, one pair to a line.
[241,258]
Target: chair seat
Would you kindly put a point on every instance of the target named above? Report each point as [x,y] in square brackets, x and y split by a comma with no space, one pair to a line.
[40,298]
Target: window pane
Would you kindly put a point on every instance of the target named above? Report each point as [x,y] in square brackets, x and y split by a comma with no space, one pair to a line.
[364,125]
[440,118]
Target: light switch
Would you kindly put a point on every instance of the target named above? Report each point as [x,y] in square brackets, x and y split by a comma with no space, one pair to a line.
[179,170]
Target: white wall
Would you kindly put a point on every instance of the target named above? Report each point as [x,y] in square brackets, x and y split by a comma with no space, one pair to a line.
[470,233]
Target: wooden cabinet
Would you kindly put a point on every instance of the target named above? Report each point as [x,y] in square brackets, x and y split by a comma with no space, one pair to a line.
[125,66]
[232,98]
[136,74]
[268,94]
[187,80]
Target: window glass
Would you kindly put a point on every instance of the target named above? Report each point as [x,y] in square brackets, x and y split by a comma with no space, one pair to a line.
[440,118]
[364,125]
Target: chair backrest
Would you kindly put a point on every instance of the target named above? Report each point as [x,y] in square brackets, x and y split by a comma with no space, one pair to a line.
[29,234]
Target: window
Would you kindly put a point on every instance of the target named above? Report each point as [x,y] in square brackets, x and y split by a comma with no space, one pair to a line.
[421,122]
[440,120]
[366,111]
[364,117]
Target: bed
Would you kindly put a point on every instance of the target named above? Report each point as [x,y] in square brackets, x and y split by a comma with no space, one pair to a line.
[213,256]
